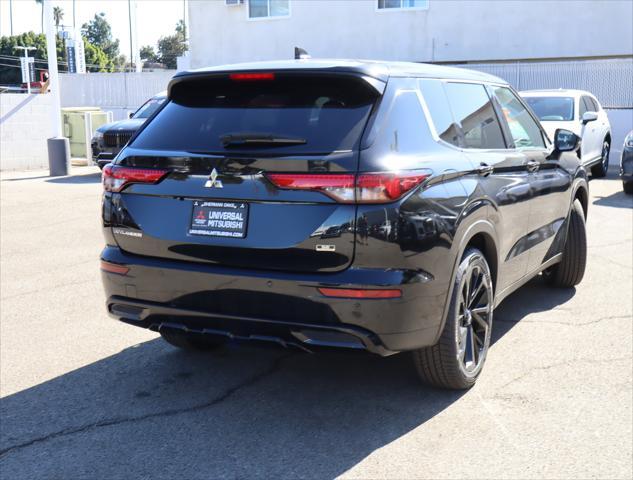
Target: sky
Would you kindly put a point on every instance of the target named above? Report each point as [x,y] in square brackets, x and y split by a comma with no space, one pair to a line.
[155,18]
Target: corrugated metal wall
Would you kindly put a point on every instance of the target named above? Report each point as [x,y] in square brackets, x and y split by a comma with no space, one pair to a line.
[610,80]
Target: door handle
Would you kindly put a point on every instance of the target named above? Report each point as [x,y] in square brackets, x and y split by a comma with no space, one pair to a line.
[532,166]
[484,169]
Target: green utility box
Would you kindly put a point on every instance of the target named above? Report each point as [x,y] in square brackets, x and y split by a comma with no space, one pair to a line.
[79,125]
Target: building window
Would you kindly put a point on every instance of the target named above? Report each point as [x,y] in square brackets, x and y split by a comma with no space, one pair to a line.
[403,4]
[268,8]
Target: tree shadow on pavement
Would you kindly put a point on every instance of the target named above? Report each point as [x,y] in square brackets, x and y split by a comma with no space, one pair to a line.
[154,412]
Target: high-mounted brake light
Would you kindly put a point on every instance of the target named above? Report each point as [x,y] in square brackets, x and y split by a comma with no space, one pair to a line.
[115,177]
[380,187]
[360,293]
[251,77]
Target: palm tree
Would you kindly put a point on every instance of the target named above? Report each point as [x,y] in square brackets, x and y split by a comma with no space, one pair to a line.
[58,15]
[41,2]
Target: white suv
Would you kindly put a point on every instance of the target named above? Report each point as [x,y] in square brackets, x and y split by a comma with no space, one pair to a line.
[580,112]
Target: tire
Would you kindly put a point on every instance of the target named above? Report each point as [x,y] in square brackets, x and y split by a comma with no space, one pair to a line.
[627,186]
[456,361]
[600,170]
[569,272]
[191,342]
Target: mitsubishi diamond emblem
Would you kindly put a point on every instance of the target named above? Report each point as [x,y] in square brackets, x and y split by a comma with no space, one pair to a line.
[213,180]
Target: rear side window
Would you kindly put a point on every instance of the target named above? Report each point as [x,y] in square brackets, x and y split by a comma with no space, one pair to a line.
[437,103]
[523,128]
[475,115]
[326,113]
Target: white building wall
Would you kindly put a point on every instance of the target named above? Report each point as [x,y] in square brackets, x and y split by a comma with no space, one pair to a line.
[24,127]
[448,31]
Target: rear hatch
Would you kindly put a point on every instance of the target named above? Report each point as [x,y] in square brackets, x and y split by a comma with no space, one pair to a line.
[216,175]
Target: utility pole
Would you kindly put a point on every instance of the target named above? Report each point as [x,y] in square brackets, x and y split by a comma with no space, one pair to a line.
[26,67]
[129,12]
[11,16]
[74,26]
[58,146]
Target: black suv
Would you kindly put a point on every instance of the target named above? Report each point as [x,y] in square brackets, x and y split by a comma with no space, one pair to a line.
[110,138]
[384,207]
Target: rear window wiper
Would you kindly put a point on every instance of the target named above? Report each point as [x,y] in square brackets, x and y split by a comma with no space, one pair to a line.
[257,139]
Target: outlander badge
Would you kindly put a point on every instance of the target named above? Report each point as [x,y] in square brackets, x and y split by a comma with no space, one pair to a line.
[213,180]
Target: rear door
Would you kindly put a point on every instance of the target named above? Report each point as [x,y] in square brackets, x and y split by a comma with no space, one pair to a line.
[501,170]
[225,144]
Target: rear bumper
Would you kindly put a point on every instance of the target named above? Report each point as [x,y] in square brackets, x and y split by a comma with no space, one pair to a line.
[276,306]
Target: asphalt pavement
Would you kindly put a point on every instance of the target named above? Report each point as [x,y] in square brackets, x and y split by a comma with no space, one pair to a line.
[83,396]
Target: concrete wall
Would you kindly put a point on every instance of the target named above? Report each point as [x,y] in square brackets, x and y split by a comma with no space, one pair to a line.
[24,127]
[119,93]
[448,31]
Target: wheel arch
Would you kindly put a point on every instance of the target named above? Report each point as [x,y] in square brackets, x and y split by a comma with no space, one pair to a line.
[481,235]
[581,193]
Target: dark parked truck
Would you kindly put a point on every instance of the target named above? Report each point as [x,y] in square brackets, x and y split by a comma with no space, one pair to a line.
[109,139]
[384,207]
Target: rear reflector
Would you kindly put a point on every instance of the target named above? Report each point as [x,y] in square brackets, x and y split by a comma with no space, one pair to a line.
[115,177]
[360,293]
[114,268]
[380,187]
[251,77]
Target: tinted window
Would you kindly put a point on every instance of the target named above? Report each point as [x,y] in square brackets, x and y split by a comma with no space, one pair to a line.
[523,128]
[437,103]
[404,129]
[328,113]
[552,109]
[473,111]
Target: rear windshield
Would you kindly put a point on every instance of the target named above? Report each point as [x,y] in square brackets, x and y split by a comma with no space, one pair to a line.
[326,114]
[553,109]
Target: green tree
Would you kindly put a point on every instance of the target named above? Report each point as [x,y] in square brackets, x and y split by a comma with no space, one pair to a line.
[10,73]
[98,32]
[172,46]
[148,54]
[96,58]
[58,15]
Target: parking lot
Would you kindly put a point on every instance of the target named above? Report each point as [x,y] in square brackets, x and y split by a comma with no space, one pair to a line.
[86,397]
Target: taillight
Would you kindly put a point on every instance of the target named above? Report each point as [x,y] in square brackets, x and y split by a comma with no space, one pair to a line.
[380,187]
[114,268]
[360,293]
[116,177]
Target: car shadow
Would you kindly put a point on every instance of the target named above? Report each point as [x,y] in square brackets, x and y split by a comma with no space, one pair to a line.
[536,296]
[618,199]
[152,411]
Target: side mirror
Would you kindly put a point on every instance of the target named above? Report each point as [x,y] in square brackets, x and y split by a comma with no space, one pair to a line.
[589,117]
[566,141]
[131,114]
